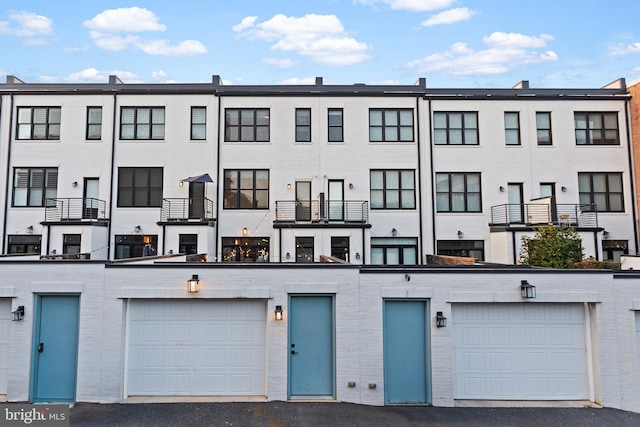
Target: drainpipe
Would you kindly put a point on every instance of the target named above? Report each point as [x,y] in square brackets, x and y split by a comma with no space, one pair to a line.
[433,180]
[218,255]
[113,174]
[8,176]
[420,211]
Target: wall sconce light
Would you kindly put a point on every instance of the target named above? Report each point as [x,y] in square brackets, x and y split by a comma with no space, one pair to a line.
[527,291]
[350,186]
[394,232]
[460,234]
[18,314]
[441,321]
[501,189]
[193,284]
[288,255]
[30,229]
[75,183]
[564,189]
[137,229]
[181,184]
[245,231]
[605,234]
[407,277]
[357,255]
[278,312]
[288,186]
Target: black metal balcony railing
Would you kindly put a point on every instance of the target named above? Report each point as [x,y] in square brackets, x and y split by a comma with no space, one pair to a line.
[195,209]
[75,209]
[316,212]
[529,214]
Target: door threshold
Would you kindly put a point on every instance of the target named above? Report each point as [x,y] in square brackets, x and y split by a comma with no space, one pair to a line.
[319,398]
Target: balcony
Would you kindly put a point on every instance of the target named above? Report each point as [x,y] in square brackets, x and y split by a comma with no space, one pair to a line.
[537,214]
[322,213]
[193,210]
[75,210]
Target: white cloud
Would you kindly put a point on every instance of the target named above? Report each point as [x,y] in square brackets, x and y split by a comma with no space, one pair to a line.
[625,49]
[33,28]
[163,47]
[506,52]
[160,74]
[411,5]
[320,37]
[280,63]
[125,20]
[299,81]
[113,42]
[92,75]
[247,22]
[450,16]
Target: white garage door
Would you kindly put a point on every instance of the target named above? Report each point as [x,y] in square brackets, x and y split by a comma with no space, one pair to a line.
[5,323]
[519,352]
[196,348]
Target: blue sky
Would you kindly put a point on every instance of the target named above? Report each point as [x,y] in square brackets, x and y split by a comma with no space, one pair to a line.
[453,43]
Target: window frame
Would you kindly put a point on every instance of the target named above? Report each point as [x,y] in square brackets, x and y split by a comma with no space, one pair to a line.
[135,243]
[386,243]
[92,125]
[22,241]
[254,126]
[254,244]
[189,242]
[592,195]
[588,131]
[335,127]
[47,187]
[398,126]
[238,189]
[510,130]
[154,191]
[540,129]
[412,205]
[460,247]
[195,125]
[463,128]
[49,125]
[465,194]
[305,246]
[340,247]
[303,130]
[151,125]
[71,241]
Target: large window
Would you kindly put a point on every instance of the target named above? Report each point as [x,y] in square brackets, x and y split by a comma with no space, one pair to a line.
[340,247]
[94,123]
[33,186]
[246,189]
[304,249]
[71,244]
[604,189]
[38,123]
[335,120]
[246,125]
[458,192]
[393,189]
[303,124]
[464,248]
[142,123]
[135,245]
[139,187]
[543,128]
[596,128]
[245,249]
[188,244]
[394,251]
[455,128]
[198,123]
[390,125]
[512,128]
[24,244]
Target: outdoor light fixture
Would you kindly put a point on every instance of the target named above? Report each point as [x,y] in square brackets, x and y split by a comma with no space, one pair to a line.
[350,186]
[527,290]
[394,232]
[245,231]
[18,314]
[193,284]
[460,234]
[441,321]
[357,255]
[407,277]
[288,186]
[563,188]
[30,229]
[605,234]
[181,184]
[278,312]
[137,229]
[75,183]
[501,189]
[288,255]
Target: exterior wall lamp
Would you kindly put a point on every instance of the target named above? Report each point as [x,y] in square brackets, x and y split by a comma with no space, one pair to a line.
[288,255]
[563,189]
[441,321]
[245,231]
[527,291]
[193,284]
[394,232]
[407,277]
[501,189]
[18,314]
[357,255]
[278,312]
[288,186]
[460,234]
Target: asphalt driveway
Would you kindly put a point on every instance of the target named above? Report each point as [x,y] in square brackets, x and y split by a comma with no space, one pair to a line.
[301,414]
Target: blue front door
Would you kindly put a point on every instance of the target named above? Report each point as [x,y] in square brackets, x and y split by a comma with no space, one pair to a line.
[406,379]
[311,355]
[55,348]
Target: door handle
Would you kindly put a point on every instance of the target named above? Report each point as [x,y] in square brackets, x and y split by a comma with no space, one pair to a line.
[294,352]
[40,347]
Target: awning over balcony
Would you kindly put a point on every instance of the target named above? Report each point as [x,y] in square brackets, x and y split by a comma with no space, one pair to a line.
[199,178]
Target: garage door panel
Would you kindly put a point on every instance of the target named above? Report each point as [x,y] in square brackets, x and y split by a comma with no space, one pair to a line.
[519,351]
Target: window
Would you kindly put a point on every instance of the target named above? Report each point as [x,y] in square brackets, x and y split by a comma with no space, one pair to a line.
[455,128]
[543,128]
[614,249]
[246,189]
[604,189]
[303,124]
[246,125]
[597,128]
[390,125]
[71,244]
[94,123]
[133,245]
[394,251]
[142,123]
[39,122]
[512,128]
[340,248]
[188,244]
[139,187]
[304,249]
[458,192]
[465,248]
[33,186]
[198,123]
[24,244]
[393,189]
[245,249]
[335,120]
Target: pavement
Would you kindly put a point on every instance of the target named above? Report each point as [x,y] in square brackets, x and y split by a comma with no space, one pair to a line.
[318,414]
